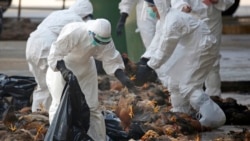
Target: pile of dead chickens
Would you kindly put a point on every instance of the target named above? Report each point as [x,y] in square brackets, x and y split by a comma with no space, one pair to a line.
[144,115]
[23,125]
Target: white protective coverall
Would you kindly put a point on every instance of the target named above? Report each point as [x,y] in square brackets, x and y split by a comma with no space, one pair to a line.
[210,14]
[75,46]
[39,43]
[145,23]
[182,53]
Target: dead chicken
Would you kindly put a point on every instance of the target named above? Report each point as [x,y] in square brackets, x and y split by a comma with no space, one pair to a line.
[187,125]
[116,85]
[158,95]
[149,135]
[241,136]
[130,66]
[236,114]
[103,83]
[32,126]
[124,109]
[10,118]
[19,135]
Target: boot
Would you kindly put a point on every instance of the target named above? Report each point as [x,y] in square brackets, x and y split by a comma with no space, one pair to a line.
[212,115]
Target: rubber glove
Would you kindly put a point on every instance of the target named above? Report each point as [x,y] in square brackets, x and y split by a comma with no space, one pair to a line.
[124,79]
[121,23]
[66,73]
[144,73]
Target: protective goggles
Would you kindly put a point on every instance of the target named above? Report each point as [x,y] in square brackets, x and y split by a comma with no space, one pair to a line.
[100,40]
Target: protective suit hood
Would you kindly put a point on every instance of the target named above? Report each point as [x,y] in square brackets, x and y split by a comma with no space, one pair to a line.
[82,8]
[163,7]
[101,27]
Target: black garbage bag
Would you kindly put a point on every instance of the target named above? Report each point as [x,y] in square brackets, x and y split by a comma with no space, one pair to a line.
[115,131]
[4,104]
[71,121]
[20,88]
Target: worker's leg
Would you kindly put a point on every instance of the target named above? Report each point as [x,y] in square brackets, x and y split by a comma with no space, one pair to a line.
[179,103]
[213,81]
[97,129]
[55,83]
[41,95]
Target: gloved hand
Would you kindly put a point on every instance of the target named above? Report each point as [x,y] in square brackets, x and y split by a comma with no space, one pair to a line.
[66,73]
[123,78]
[121,23]
[143,61]
[144,74]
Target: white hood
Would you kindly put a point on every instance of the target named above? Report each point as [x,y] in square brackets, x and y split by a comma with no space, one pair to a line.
[163,7]
[82,8]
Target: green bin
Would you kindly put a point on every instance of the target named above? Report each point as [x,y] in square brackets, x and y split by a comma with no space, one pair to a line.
[109,10]
[129,42]
[135,47]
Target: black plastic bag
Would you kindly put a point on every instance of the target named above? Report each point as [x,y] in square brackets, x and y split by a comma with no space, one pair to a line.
[4,104]
[19,87]
[71,121]
[115,131]
[113,126]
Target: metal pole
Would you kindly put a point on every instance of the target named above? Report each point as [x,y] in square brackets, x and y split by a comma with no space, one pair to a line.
[19,10]
[63,6]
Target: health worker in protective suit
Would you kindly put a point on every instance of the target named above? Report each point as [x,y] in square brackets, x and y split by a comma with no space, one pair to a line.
[73,53]
[145,22]
[39,43]
[182,53]
[210,12]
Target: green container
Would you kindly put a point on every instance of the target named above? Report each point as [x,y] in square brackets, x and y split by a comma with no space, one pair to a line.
[129,42]
[109,10]
[134,42]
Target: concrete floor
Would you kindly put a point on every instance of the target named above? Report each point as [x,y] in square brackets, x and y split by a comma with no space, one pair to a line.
[235,58]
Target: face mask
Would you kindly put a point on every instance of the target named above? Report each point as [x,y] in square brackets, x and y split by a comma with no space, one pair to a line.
[151,13]
[93,41]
